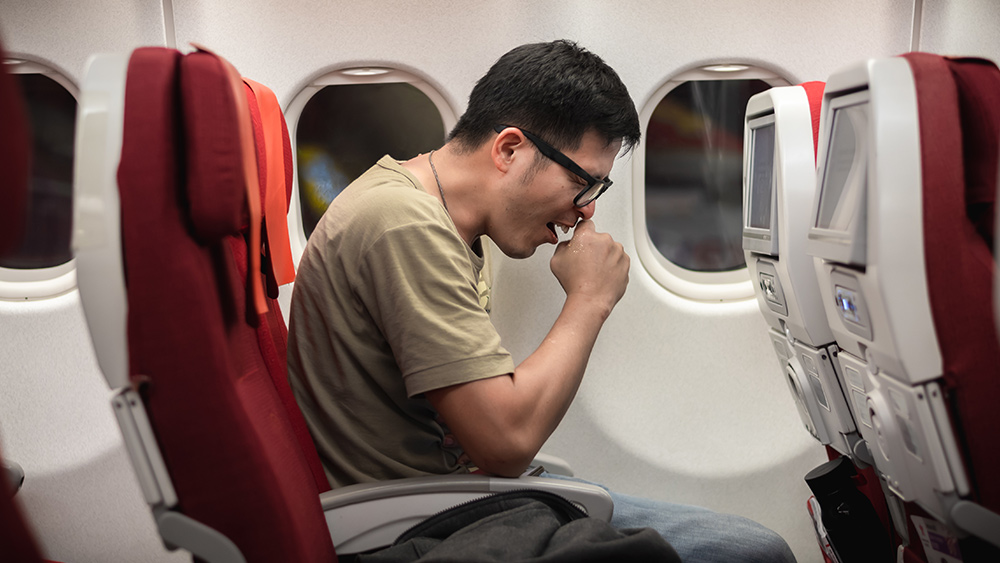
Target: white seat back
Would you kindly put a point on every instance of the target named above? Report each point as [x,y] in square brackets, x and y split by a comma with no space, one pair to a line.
[868,240]
[96,213]
[779,182]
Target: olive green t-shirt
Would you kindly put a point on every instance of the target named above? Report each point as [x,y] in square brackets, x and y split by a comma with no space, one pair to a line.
[386,306]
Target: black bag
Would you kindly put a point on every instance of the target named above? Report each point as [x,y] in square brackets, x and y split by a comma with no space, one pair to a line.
[529,526]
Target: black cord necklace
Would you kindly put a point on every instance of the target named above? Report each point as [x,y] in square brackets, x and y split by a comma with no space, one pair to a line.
[430,159]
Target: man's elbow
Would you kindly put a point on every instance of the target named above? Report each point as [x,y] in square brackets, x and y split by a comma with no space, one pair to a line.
[504,457]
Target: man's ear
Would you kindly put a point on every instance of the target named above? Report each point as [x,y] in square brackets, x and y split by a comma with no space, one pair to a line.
[506,148]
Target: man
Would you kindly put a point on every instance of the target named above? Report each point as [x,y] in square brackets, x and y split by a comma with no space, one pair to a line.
[388,341]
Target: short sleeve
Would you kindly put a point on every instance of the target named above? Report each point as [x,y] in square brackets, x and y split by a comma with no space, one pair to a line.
[424,296]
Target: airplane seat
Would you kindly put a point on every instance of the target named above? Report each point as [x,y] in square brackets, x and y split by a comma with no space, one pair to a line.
[901,233]
[779,171]
[194,361]
[780,149]
[193,342]
[179,356]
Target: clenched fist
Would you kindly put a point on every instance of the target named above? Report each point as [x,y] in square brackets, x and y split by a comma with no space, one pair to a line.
[591,265]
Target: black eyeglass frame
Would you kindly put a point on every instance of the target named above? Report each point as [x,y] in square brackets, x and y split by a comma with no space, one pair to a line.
[594,185]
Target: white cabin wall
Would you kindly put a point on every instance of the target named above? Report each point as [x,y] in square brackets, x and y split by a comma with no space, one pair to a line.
[80,494]
[63,33]
[967,28]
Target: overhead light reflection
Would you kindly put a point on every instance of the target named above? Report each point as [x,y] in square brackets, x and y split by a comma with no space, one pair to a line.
[725,68]
[365,71]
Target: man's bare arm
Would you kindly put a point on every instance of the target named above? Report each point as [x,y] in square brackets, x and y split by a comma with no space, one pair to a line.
[503,421]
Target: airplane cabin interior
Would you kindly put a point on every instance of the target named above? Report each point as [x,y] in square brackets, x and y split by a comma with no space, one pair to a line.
[811,332]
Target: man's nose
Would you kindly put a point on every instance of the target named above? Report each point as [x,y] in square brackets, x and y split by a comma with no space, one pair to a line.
[587,211]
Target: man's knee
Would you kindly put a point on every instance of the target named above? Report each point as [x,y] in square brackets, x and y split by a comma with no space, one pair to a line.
[726,537]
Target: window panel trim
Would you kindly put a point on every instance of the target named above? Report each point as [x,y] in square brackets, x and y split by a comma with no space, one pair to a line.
[727,286]
[37,283]
[294,109]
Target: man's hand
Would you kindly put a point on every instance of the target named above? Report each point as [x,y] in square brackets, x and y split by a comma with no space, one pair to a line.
[591,265]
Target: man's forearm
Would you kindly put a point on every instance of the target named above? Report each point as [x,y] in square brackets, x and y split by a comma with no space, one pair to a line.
[503,421]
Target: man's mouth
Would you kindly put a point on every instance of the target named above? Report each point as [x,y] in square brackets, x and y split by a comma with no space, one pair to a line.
[565,228]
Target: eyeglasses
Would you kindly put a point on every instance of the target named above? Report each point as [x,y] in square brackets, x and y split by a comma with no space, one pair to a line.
[594,187]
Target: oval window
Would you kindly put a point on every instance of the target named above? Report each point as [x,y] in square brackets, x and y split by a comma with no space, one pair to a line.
[689,181]
[41,265]
[349,119]
[52,119]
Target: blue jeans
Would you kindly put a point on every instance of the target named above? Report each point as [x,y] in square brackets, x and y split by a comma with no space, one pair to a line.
[697,534]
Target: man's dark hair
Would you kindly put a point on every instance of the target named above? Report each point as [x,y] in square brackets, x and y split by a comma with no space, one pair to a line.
[556,90]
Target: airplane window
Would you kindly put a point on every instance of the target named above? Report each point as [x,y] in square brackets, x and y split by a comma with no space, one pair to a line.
[52,117]
[688,179]
[694,171]
[345,128]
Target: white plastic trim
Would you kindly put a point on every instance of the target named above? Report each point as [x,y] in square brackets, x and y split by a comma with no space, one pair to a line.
[38,283]
[977,520]
[553,464]
[942,422]
[22,65]
[699,286]
[97,216]
[903,415]
[897,232]
[144,450]
[894,283]
[794,191]
[343,76]
[205,543]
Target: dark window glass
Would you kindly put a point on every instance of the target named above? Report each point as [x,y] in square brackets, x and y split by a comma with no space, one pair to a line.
[694,174]
[52,118]
[345,129]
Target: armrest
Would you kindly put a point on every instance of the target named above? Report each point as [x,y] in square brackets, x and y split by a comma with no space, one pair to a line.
[371,515]
[553,464]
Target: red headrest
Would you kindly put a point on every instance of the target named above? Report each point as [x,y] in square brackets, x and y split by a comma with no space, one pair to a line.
[214,187]
[978,83]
